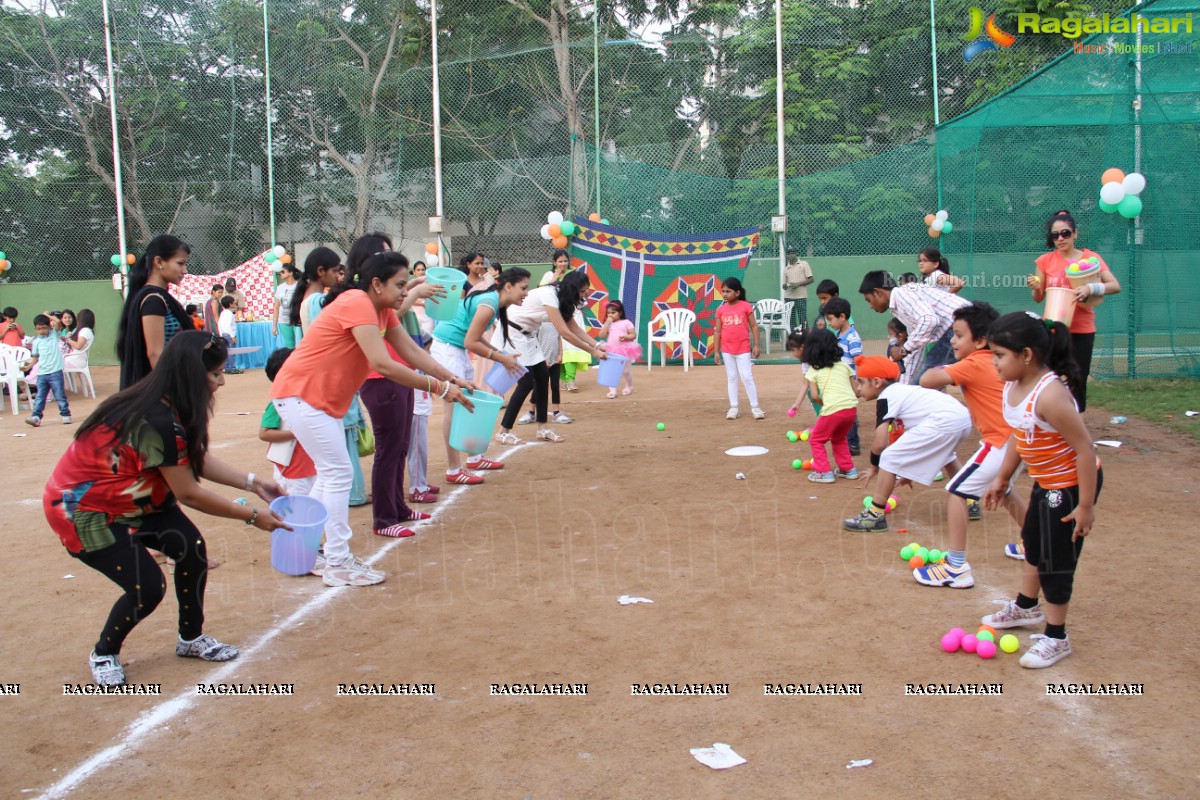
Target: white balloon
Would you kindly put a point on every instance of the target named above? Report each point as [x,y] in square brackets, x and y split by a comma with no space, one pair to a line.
[942,215]
[279,249]
[276,266]
[554,218]
[431,259]
[938,224]
[546,232]
[1112,192]
[1134,183]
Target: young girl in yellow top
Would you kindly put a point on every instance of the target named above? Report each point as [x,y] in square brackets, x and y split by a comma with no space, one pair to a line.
[829,388]
[1034,356]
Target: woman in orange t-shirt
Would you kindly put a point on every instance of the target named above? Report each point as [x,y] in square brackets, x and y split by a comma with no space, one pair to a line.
[316,385]
[1061,233]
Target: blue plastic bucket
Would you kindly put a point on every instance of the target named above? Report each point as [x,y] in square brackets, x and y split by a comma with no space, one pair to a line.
[471,431]
[500,379]
[444,308]
[610,370]
[294,552]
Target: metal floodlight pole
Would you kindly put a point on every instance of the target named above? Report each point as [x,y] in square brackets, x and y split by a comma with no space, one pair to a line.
[779,135]
[1138,232]
[596,92]
[937,116]
[118,187]
[270,137]
[439,208]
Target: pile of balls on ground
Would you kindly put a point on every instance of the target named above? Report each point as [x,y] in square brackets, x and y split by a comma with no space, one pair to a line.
[982,643]
[916,555]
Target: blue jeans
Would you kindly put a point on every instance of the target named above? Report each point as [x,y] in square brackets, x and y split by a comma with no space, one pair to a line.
[47,383]
[939,354]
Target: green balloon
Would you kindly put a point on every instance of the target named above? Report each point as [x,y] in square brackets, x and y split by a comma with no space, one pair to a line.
[568,228]
[906,553]
[947,227]
[1107,208]
[270,257]
[605,222]
[3,255]
[115,260]
[1130,206]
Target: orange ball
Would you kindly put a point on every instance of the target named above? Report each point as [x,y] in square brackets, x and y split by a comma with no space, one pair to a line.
[988,628]
[1112,174]
[560,242]
[431,248]
[929,218]
[594,216]
[555,231]
[916,562]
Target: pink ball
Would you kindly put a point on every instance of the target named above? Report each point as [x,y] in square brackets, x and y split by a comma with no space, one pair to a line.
[791,412]
[950,642]
[969,643]
[959,632]
[985,649]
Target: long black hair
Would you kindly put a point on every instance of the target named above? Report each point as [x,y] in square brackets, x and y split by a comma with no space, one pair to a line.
[74,320]
[935,255]
[736,286]
[821,349]
[1050,343]
[507,278]
[570,292]
[164,246]
[382,265]
[363,248]
[321,258]
[180,379]
[86,319]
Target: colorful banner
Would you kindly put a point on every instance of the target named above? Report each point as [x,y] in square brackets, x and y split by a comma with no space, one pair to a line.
[650,273]
[254,279]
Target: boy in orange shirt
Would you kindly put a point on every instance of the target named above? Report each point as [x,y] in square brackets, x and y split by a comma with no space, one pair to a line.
[983,390]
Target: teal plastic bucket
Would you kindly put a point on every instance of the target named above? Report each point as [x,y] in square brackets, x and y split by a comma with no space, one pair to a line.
[471,431]
[294,552]
[444,308]
[501,380]
[610,370]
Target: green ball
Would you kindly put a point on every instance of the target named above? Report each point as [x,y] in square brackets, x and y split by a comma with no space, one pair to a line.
[935,556]
[868,501]
[947,227]
[662,426]
[797,464]
[115,260]
[1008,643]
[906,553]
[923,552]
[792,437]
[988,635]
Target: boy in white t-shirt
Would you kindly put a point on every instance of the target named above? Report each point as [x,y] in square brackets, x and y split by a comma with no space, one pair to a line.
[418,450]
[227,326]
[934,426]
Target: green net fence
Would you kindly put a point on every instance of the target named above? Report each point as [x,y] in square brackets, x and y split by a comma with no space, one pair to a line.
[661,117]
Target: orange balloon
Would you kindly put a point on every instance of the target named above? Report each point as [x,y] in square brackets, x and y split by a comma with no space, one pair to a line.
[934,234]
[431,248]
[130,258]
[3,265]
[560,242]
[555,231]
[594,216]
[1112,174]
[286,258]
[929,218]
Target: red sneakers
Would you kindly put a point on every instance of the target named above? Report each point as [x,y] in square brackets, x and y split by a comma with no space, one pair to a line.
[464,478]
[416,496]
[484,463]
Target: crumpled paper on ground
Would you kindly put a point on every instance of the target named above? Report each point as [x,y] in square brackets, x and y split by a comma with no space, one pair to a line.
[719,756]
[627,600]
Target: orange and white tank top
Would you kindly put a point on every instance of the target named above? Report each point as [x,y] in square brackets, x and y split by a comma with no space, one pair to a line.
[1050,460]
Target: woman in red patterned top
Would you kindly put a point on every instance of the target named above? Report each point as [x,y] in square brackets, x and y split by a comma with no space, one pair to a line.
[115,495]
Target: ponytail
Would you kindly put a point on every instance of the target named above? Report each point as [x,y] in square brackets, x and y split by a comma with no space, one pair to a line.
[320,258]
[507,278]
[935,255]
[163,246]
[1049,340]
[570,293]
[1060,358]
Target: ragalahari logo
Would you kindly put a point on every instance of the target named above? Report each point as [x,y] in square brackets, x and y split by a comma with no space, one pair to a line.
[990,38]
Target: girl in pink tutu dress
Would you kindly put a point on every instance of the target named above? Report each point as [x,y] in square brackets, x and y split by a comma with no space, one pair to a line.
[622,340]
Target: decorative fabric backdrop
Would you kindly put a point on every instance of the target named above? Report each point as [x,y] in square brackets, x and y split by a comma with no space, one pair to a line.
[254,279]
[650,273]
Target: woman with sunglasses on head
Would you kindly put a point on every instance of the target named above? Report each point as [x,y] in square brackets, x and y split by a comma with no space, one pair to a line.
[116,494]
[1061,236]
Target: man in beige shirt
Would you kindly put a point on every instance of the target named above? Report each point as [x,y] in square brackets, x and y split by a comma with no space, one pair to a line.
[797,275]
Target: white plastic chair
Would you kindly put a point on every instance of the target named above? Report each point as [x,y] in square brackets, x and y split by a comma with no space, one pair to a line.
[676,326]
[773,315]
[81,368]
[12,377]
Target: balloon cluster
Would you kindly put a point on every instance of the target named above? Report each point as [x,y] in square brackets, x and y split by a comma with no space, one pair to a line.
[277,256]
[4,262]
[939,223]
[1119,192]
[116,259]
[432,254]
[558,230]
[595,217]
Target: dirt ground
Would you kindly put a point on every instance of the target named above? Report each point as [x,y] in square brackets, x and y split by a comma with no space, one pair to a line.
[517,581]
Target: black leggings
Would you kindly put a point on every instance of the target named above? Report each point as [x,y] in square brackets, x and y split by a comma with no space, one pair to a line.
[128,564]
[1082,345]
[555,382]
[534,380]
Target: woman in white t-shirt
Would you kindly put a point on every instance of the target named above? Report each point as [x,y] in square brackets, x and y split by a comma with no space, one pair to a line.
[555,304]
[283,308]
[81,341]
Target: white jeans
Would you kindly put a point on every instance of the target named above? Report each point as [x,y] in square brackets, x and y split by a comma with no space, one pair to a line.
[738,366]
[323,439]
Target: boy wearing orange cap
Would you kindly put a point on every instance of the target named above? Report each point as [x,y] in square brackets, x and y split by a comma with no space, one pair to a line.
[934,425]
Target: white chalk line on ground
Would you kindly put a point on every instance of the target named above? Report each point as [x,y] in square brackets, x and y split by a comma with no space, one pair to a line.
[169,709]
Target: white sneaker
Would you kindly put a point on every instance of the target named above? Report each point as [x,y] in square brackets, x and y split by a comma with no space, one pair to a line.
[351,573]
[318,567]
[525,418]
[1013,616]
[732,413]
[1046,652]
[106,670]
[758,413]
[570,386]
[561,418]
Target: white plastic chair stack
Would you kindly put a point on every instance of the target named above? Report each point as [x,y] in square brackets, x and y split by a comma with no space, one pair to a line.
[676,326]
[11,376]
[773,315]
[77,364]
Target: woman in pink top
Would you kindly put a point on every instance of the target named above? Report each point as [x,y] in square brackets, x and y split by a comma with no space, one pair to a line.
[1061,233]
[735,341]
[317,383]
